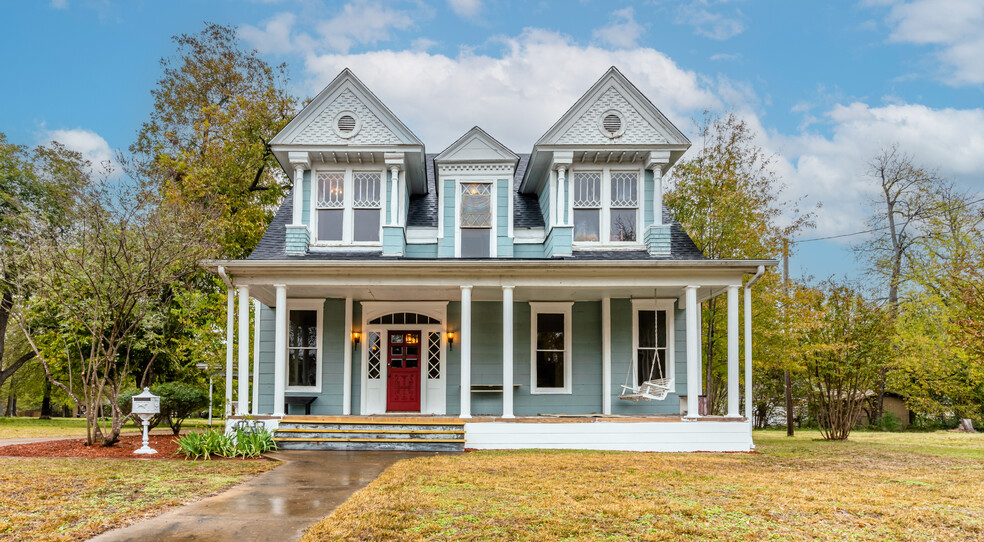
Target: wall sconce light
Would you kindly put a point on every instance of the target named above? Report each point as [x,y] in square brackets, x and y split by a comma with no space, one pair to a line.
[356,337]
[450,340]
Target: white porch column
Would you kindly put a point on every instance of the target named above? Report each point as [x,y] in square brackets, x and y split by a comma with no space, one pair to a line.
[395,194]
[465,411]
[507,351]
[748,356]
[347,361]
[561,197]
[606,355]
[242,396]
[256,358]
[693,353]
[301,161]
[280,352]
[230,337]
[733,410]
[657,170]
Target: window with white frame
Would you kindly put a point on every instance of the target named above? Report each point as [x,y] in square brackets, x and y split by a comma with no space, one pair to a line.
[624,205]
[348,206]
[366,205]
[331,206]
[652,330]
[304,346]
[551,347]
[586,192]
[606,205]
[475,220]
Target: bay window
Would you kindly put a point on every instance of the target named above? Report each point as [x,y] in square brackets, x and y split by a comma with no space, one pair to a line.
[475,221]
[606,205]
[348,206]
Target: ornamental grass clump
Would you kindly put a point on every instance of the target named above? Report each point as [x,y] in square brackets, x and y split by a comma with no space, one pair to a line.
[213,442]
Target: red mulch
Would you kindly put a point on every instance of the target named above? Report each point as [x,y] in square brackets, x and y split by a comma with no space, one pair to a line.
[166,446]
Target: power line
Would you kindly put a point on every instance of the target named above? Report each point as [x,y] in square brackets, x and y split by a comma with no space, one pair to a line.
[797,241]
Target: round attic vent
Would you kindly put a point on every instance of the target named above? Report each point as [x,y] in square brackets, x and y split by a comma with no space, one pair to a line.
[611,124]
[347,124]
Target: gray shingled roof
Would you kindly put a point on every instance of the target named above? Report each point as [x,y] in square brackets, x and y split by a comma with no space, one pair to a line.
[423,212]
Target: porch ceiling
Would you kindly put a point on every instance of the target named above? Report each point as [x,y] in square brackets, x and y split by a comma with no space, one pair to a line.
[266,293]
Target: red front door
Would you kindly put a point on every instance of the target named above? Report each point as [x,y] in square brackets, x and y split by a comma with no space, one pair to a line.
[403,376]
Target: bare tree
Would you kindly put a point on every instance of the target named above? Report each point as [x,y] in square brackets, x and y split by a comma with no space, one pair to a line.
[903,205]
[99,285]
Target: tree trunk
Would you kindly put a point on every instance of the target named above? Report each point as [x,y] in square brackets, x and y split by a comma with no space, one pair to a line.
[46,401]
[11,404]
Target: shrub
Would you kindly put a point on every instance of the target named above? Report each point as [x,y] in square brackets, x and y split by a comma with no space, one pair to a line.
[214,442]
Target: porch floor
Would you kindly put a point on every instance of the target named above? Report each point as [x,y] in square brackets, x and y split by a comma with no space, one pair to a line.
[424,419]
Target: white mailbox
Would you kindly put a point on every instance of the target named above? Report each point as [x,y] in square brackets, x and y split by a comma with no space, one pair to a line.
[146,405]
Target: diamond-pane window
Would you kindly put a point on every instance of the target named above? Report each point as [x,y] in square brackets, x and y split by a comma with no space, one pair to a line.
[476,205]
[434,355]
[625,187]
[375,352]
[330,190]
[367,190]
[587,190]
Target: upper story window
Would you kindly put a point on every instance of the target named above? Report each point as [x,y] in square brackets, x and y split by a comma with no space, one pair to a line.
[606,205]
[475,220]
[348,206]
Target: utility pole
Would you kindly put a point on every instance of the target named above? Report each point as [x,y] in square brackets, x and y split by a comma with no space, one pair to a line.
[789,380]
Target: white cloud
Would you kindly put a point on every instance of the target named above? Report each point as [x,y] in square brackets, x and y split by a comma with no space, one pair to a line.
[466,8]
[708,22]
[360,22]
[833,168]
[955,27]
[515,96]
[90,145]
[59,4]
[726,56]
[622,31]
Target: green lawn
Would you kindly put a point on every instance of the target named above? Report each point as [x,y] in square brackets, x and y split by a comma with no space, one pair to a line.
[876,486]
[74,499]
[72,427]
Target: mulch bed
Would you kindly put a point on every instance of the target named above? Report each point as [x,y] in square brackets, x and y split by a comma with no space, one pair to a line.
[166,446]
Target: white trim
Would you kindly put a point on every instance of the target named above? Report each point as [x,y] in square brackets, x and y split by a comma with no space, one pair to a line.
[606,355]
[441,194]
[664,305]
[280,351]
[255,405]
[565,308]
[317,305]
[347,360]
[242,394]
[507,351]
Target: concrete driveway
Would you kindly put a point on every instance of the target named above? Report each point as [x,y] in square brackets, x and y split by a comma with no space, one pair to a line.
[279,504]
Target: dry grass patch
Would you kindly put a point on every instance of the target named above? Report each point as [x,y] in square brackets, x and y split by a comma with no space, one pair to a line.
[875,487]
[74,499]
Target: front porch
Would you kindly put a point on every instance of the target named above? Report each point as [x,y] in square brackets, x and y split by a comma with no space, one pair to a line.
[381,348]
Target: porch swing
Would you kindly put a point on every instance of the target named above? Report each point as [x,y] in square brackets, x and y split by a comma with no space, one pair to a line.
[651,389]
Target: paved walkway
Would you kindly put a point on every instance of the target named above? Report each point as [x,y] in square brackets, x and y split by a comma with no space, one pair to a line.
[278,505]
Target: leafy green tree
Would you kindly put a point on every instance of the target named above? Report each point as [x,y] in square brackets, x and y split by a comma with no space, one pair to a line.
[34,185]
[216,107]
[842,341]
[730,200]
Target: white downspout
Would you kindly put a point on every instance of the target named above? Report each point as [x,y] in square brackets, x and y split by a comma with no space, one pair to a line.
[748,350]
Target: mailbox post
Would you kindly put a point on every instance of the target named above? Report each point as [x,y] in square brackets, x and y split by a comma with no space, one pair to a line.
[146,405]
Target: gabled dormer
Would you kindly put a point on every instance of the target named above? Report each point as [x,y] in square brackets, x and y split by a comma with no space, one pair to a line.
[598,170]
[475,182]
[354,166]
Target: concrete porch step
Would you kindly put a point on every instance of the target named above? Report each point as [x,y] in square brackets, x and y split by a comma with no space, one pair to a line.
[363,427]
[389,434]
[417,445]
[408,434]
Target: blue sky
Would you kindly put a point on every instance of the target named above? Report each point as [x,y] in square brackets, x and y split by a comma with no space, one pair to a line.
[825,84]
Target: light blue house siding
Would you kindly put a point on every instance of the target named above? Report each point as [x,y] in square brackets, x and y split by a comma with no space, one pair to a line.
[586,396]
[647,192]
[445,247]
[503,241]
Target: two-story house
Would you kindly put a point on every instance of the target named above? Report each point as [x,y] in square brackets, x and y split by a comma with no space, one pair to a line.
[481,298]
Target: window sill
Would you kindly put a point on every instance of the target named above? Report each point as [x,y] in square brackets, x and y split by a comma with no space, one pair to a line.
[614,245]
[303,389]
[551,391]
